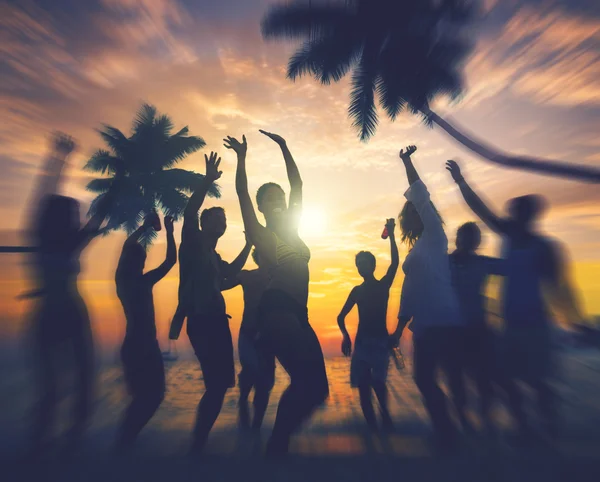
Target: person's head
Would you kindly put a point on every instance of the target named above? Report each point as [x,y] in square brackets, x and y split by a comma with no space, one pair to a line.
[525,210]
[270,199]
[410,223]
[468,237]
[133,259]
[365,263]
[58,222]
[256,257]
[213,221]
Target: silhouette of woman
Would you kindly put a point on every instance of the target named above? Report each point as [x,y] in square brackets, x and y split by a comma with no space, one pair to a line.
[428,297]
[142,359]
[283,316]
[60,317]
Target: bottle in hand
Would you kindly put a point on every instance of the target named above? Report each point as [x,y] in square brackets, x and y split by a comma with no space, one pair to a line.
[385,234]
[398,358]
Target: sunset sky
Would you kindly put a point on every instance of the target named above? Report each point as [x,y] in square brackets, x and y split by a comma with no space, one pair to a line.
[532,87]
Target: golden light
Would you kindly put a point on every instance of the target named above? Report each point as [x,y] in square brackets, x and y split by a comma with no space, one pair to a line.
[313,222]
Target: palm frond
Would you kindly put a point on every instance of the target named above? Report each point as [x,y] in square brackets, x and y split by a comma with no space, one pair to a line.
[103,162]
[116,140]
[327,58]
[144,117]
[164,125]
[100,185]
[296,21]
[362,101]
[172,202]
[177,148]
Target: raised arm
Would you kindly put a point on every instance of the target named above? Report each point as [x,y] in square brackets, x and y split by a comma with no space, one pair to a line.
[418,195]
[388,279]
[257,234]
[346,342]
[190,215]
[476,204]
[48,182]
[406,311]
[159,273]
[295,204]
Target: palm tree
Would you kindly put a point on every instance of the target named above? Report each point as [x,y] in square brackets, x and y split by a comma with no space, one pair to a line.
[142,165]
[405,52]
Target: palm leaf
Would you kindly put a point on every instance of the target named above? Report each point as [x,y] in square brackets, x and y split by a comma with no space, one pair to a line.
[144,118]
[362,101]
[116,140]
[297,21]
[100,185]
[178,147]
[103,162]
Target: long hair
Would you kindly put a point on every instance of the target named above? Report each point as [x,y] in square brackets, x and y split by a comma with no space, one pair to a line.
[412,230]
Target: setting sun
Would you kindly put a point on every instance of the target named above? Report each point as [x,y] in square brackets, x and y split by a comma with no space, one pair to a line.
[313,222]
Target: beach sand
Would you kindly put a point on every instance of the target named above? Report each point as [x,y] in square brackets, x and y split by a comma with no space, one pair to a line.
[334,446]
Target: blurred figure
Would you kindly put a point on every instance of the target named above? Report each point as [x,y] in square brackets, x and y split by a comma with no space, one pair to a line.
[532,265]
[283,313]
[141,356]
[61,324]
[258,364]
[201,274]
[470,272]
[370,359]
[428,297]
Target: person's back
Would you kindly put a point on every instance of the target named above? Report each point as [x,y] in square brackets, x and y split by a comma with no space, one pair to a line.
[254,283]
[372,300]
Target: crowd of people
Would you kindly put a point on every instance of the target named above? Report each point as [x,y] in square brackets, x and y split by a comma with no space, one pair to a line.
[442,303]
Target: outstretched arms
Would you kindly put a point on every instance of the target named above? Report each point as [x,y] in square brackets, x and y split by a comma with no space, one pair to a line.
[388,279]
[479,207]
[346,342]
[257,234]
[190,215]
[232,269]
[411,172]
[159,273]
[295,204]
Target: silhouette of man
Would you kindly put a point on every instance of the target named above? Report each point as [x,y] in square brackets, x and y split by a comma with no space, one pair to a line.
[201,273]
[470,273]
[532,261]
[370,360]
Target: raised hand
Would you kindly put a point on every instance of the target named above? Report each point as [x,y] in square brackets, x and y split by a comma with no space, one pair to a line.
[346,346]
[63,143]
[454,169]
[390,225]
[277,138]
[169,224]
[405,154]
[240,148]
[212,166]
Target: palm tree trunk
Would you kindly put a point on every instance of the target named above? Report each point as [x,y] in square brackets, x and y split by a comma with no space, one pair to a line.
[534,164]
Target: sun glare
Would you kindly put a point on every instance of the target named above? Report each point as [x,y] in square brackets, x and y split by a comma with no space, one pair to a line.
[313,222]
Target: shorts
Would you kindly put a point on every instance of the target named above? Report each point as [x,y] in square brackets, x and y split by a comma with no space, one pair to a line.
[370,361]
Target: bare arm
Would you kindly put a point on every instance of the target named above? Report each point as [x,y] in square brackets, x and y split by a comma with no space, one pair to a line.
[50,178]
[295,204]
[346,342]
[257,234]
[171,258]
[411,172]
[474,202]
[230,283]
[190,215]
[388,279]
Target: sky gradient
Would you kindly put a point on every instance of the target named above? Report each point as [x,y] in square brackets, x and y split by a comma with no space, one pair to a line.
[532,87]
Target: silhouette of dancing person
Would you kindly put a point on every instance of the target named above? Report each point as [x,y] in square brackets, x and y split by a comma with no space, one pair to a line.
[428,297]
[370,360]
[60,324]
[532,262]
[283,315]
[141,356]
[470,272]
[201,274]
[258,364]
